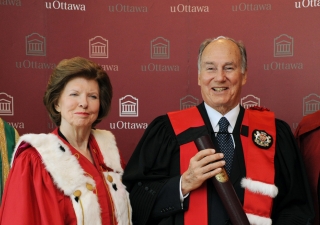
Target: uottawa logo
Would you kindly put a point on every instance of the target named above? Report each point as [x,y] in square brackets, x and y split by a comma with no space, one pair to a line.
[188,101]
[307,3]
[10,2]
[6,104]
[251,7]
[159,49]
[127,8]
[98,47]
[35,46]
[189,9]
[65,6]
[311,104]
[250,101]
[128,107]
[283,46]
[6,109]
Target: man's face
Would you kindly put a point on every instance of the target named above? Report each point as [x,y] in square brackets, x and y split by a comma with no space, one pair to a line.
[220,76]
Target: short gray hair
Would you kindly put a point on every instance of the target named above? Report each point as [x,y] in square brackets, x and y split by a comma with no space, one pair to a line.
[240,45]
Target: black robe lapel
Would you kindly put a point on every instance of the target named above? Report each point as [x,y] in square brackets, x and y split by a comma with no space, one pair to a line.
[238,166]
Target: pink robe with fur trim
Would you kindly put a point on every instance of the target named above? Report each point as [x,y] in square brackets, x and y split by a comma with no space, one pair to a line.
[34,196]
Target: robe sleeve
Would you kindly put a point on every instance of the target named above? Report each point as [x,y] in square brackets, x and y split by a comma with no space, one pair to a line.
[310,150]
[152,175]
[30,197]
[307,135]
[293,204]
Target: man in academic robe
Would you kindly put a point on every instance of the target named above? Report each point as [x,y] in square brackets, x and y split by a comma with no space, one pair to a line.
[265,168]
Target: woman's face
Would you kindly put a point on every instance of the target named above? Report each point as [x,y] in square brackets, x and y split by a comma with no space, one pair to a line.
[79,103]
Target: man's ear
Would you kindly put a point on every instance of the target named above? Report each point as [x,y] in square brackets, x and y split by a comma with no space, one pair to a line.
[244,79]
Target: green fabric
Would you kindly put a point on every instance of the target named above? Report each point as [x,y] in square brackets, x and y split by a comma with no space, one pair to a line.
[10,137]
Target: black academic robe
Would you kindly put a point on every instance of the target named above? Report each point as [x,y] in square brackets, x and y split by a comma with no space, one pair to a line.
[152,176]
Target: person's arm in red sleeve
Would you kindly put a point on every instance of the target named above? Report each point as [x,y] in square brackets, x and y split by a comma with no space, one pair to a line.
[30,196]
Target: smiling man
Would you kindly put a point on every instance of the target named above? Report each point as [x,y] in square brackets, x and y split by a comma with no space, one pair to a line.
[221,74]
[169,180]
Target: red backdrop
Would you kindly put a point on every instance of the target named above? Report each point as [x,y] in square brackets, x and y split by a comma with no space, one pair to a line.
[149,49]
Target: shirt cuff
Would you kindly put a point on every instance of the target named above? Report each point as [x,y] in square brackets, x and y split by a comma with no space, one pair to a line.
[181,196]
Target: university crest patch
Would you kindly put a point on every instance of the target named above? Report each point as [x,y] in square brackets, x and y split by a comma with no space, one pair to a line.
[262,139]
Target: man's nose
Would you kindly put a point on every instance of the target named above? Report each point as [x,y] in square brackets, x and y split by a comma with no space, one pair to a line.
[220,75]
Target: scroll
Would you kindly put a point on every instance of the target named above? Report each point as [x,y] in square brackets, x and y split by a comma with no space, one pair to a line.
[224,188]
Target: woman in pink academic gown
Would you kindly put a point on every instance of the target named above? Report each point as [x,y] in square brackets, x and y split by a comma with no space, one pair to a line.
[72,175]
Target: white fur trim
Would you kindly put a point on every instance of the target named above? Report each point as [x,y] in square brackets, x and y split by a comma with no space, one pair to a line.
[120,197]
[109,149]
[258,220]
[259,187]
[68,175]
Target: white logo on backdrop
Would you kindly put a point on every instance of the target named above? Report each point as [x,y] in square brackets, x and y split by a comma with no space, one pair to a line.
[311,104]
[160,48]
[283,46]
[35,45]
[128,106]
[250,101]
[188,101]
[6,104]
[98,47]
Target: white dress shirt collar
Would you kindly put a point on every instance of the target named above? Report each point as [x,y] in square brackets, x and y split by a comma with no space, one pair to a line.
[215,116]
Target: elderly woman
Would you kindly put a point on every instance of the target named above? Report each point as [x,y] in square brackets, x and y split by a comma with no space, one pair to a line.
[72,175]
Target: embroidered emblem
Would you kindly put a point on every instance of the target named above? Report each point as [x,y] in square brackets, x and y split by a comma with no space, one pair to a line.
[262,139]
[223,176]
